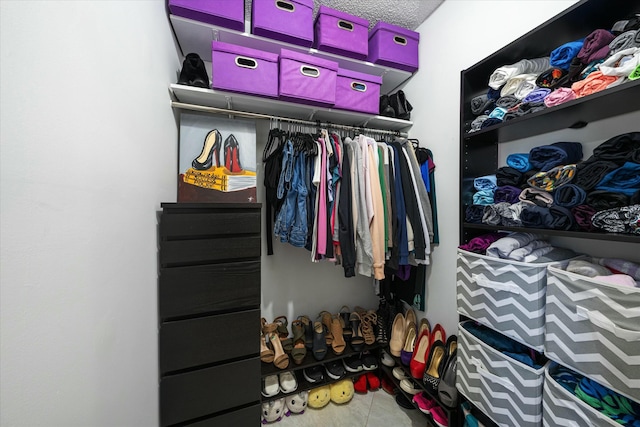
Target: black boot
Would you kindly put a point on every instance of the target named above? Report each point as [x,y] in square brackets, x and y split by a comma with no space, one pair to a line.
[193,72]
[386,109]
[401,106]
[382,322]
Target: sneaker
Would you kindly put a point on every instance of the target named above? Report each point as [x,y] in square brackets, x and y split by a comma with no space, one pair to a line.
[369,362]
[403,402]
[288,383]
[352,364]
[439,417]
[386,359]
[408,386]
[335,370]
[424,402]
[270,386]
[313,374]
[399,373]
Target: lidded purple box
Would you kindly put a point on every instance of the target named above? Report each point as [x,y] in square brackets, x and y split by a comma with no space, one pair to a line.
[307,79]
[289,21]
[340,33]
[223,13]
[242,69]
[394,47]
[358,91]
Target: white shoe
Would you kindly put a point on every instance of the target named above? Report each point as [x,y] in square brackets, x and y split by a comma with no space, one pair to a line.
[387,360]
[270,386]
[399,373]
[288,382]
[408,386]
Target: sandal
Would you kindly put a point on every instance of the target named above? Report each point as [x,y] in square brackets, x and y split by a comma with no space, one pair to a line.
[280,360]
[267,328]
[319,341]
[337,344]
[357,340]
[266,354]
[368,320]
[281,324]
[325,318]
[308,331]
[299,350]
[345,313]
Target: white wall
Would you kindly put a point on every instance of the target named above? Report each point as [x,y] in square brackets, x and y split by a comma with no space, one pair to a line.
[88,153]
[456,36]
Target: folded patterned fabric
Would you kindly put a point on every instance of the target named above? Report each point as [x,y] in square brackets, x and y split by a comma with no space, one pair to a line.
[547,157]
[622,63]
[595,82]
[506,193]
[590,173]
[480,104]
[618,265]
[554,178]
[493,213]
[480,244]
[617,279]
[595,46]
[513,219]
[625,219]
[526,86]
[587,268]
[490,122]
[537,95]
[503,247]
[550,78]
[519,161]
[635,74]
[625,180]
[536,197]
[533,216]
[569,195]
[507,101]
[520,253]
[559,96]
[487,182]
[508,176]
[562,218]
[484,197]
[618,149]
[618,408]
[514,83]
[602,200]
[533,66]
[583,214]
[623,41]
[476,124]
[562,55]
[473,214]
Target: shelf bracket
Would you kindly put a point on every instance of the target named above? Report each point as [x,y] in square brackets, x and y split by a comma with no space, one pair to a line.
[229,105]
[364,125]
[313,113]
[215,34]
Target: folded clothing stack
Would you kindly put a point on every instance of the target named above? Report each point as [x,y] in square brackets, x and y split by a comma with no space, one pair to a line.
[527,247]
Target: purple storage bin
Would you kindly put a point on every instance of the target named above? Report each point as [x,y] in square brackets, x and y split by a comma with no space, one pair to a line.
[242,69]
[307,79]
[358,91]
[394,47]
[223,13]
[289,21]
[340,33]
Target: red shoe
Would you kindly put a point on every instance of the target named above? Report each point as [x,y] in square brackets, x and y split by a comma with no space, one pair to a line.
[373,380]
[388,386]
[437,333]
[420,354]
[360,385]
[424,402]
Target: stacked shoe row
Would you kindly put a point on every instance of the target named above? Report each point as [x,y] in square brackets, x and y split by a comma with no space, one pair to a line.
[426,370]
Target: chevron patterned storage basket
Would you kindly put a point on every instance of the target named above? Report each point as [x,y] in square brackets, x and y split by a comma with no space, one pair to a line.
[594,328]
[561,408]
[505,295]
[507,390]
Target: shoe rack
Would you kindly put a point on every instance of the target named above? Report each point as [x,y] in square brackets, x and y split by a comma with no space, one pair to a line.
[208,309]
[309,361]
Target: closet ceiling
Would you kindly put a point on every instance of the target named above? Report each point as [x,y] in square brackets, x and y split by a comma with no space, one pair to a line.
[404,13]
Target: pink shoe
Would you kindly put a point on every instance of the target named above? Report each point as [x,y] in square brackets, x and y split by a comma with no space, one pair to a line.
[439,417]
[425,403]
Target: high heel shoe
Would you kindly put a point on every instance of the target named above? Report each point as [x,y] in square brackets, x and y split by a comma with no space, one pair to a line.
[337,344]
[281,326]
[325,318]
[344,315]
[266,354]
[280,359]
[232,154]
[431,378]
[357,340]
[210,147]
[368,322]
[319,341]
[299,350]
[308,331]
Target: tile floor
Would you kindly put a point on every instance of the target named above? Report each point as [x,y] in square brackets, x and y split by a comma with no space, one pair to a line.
[374,409]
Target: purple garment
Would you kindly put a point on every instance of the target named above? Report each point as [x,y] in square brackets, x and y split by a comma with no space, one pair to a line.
[507,193]
[583,214]
[537,95]
[596,46]
[480,244]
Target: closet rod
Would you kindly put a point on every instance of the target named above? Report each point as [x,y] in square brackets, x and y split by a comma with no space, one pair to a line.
[194,107]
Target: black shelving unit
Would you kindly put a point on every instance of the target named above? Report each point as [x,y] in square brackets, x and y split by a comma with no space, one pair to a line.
[310,361]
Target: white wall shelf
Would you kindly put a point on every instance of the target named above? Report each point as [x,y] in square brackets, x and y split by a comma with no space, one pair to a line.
[196,37]
[274,107]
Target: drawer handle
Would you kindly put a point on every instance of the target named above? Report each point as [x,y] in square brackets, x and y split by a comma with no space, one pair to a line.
[285,5]
[603,322]
[244,62]
[360,87]
[507,287]
[345,25]
[400,40]
[491,377]
[305,70]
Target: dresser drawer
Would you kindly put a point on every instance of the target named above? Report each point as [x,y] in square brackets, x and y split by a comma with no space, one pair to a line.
[177,253]
[249,416]
[207,391]
[222,222]
[185,291]
[194,342]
